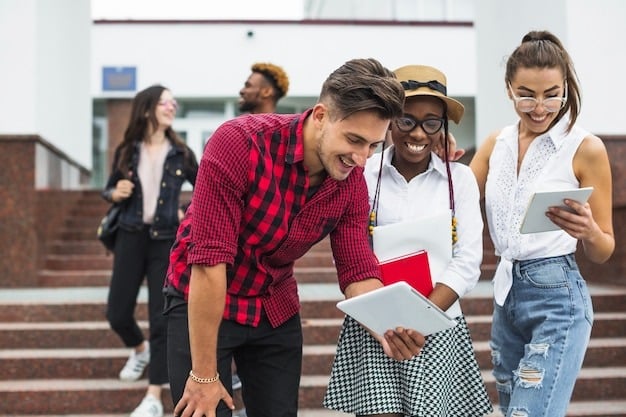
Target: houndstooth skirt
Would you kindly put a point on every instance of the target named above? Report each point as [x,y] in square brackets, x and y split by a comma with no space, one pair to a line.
[443,380]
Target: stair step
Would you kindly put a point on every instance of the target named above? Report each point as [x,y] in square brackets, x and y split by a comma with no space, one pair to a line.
[74,396]
[316,259]
[90,201]
[609,384]
[23,363]
[312,268]
[592,383]
[97,334]
[317,299]
[61,363]
[76,247]
[76,269]
[315,274]
[95,210]
[78,262]
[599,408]
[86,277]
[602,352]
[91,363]
[84,233]
[608,408]
[80,396]
[487,271]
[326,331]
[84,220]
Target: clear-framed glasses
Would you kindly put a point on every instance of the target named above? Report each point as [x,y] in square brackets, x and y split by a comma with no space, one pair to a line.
[528,104]
[172,103]
[408,123]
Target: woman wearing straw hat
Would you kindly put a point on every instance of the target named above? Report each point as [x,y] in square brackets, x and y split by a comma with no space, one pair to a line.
[542,313]
[408,181]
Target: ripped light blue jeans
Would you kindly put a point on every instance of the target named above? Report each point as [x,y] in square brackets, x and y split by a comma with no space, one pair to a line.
[539,337]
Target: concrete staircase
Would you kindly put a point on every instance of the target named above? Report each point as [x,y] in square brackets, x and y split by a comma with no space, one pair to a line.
[59,357]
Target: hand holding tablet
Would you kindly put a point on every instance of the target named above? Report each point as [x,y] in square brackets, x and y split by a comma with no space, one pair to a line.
[396,305]
[535,219]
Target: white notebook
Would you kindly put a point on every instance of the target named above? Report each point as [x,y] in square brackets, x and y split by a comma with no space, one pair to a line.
[535,219]
[396,305]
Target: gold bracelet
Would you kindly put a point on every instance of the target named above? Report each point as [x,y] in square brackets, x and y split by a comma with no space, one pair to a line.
[204,380]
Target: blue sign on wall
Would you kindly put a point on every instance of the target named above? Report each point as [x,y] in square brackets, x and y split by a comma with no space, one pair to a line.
[119,78]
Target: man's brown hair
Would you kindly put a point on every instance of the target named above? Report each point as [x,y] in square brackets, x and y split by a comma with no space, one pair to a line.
[362,85]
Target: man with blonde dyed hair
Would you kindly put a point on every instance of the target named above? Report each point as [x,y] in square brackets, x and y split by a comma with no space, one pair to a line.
[267,84]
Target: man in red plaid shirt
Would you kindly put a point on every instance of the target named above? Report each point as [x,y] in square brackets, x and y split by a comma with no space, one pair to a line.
[269,187]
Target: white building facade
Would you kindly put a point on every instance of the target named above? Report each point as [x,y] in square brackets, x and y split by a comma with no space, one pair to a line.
[68,71]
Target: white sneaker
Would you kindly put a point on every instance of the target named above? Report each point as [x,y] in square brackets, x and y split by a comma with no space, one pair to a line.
[150,406]
[135,365]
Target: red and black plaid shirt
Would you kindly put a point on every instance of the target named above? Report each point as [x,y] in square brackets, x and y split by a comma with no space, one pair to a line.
[250,210]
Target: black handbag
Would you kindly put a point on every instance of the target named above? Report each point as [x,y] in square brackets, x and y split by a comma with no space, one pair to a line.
[107,229]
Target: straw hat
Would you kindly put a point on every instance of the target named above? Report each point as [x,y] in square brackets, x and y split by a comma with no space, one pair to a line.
[422,80]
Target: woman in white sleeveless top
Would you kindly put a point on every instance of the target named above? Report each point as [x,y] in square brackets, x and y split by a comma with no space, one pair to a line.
[542,311]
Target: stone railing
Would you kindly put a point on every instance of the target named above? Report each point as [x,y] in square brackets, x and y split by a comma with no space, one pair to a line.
[38,184]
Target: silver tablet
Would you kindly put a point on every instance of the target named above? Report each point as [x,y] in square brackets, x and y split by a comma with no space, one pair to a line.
[396,305]
[535,219]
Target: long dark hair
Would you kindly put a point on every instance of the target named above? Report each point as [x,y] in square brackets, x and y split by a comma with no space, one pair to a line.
[142,117]
[542,49]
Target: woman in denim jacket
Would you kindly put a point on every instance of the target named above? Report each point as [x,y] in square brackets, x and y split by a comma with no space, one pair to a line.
[149,168]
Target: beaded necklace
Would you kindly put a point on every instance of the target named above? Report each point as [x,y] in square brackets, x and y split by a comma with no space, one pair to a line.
[372,218]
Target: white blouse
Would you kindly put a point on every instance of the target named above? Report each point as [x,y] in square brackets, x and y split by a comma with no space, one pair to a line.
[427,194]
[150,172]
[547,165]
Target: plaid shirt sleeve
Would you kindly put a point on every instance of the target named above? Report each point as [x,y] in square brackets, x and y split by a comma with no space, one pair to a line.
[218,197]
[354,258]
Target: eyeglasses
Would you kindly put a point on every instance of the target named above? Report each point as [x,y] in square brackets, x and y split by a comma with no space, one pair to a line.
[430,126]
[172,103]
[528,104]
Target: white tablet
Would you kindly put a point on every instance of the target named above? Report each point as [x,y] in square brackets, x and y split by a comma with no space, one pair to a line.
[535,219]
[396,305]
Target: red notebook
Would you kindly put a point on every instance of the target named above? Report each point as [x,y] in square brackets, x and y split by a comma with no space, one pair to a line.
[412,268]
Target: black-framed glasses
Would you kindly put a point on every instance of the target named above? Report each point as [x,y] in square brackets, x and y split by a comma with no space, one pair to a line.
[430,126]
[528,104]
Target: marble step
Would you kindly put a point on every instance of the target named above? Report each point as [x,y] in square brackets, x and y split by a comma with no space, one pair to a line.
[93,363]
[97,334]
[83,396]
